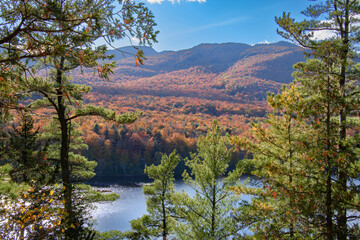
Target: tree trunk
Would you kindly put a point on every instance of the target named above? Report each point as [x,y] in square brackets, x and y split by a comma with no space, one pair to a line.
[64,155]
[343,177]
[291,227]
[329,210]
[164,220]
[213,213]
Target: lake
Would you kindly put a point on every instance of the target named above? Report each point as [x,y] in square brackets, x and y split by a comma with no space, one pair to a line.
[131,205]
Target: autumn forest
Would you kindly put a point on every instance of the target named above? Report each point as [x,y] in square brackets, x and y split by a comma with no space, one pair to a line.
[73,112]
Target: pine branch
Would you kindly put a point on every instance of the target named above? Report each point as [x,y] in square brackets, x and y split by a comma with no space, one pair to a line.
[107,114]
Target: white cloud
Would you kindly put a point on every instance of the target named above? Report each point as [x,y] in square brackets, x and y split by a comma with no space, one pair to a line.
[265,42]
[323,35]
[135,41]
[327,34]
[173,1]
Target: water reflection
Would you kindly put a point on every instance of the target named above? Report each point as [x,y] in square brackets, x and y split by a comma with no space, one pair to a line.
[116,215]
[131,205]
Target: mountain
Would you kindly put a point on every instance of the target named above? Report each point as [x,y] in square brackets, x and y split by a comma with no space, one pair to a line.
[229,71]
[126,52]
[180,93]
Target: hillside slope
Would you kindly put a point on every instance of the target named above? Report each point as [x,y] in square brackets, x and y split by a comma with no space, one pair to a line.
[180,93]
[229,71]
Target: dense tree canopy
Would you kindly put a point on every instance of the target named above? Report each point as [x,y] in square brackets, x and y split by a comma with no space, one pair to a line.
[308,154]
[35,29]
[58,36]
[206,215]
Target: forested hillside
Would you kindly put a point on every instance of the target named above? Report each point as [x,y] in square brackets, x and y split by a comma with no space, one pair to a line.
[232,71]
[180,93]
[214,113]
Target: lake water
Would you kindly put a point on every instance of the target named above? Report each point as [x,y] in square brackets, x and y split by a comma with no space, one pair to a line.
[131,205]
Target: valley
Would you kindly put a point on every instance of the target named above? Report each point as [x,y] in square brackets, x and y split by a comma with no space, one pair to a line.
[180,94]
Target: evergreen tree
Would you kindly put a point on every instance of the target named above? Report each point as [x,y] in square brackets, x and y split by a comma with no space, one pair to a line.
[80,168]
[208,214]
[26,193]
[322,164]
[284,205]
[96,128]
[338,53]
[70,48]
[23,151]
[158,200]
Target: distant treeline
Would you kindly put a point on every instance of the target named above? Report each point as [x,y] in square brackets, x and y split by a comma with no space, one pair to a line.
[124,151]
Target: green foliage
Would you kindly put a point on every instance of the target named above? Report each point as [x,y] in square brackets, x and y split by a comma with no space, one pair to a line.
[59,36]
[110,235]
[80,168]
[157,223]
[92,195]
[141,229]
[207,215]
[307,153]
[22,148]
[107,114]
[7,187]
[282,207]
[334,75]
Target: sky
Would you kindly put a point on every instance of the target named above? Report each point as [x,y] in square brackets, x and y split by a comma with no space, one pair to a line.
[186,23]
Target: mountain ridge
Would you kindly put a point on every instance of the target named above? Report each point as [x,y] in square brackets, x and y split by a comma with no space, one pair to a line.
[226,70]
[180,93]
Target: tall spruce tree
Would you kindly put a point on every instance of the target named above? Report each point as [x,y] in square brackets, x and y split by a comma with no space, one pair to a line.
[26,191]
[207,215]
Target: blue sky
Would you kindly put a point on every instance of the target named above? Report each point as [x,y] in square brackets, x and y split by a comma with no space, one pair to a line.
[187,23]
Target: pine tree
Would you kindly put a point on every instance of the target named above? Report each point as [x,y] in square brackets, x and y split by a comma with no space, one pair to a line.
[25,153]
[73,48]
[157,223]
[80,168]
[208,214]
[337,53]
[320,199]
[65,98]
[284,204]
